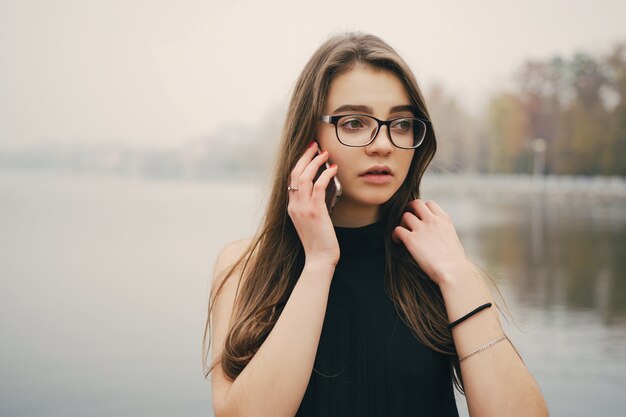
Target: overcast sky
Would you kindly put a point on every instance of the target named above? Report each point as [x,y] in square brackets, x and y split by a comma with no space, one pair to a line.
[159,73]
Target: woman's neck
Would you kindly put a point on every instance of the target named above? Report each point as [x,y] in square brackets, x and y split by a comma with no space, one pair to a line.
[347,215]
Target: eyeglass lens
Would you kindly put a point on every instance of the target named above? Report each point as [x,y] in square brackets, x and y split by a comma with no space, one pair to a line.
[358,130]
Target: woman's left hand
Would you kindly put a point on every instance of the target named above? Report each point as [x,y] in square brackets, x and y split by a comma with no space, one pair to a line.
[429,236]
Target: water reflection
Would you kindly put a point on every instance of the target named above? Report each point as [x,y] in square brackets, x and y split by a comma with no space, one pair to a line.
[553,256]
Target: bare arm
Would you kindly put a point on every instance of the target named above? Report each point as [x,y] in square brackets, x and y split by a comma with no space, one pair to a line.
[496,381]
[275,380]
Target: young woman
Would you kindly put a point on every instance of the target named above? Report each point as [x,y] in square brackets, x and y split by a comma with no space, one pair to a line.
[375,310]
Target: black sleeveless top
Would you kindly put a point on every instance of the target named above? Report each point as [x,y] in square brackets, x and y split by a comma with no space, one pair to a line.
[368,362]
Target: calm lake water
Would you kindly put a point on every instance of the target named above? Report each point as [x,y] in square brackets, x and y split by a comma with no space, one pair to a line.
[104,284]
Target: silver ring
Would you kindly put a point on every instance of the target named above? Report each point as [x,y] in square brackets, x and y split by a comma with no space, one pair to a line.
[290,188]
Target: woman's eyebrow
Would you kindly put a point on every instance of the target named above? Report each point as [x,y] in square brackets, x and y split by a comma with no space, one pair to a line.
[368,109]
[404,107]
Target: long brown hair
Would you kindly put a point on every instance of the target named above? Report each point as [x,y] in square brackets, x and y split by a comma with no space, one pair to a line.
[278,253]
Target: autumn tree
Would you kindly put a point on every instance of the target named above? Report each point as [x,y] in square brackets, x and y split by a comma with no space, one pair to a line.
[577,105]
[615,158]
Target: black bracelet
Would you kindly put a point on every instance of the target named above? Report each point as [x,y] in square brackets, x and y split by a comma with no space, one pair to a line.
[468,315]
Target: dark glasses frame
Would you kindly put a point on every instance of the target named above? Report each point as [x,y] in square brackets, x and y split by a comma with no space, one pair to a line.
[333,119]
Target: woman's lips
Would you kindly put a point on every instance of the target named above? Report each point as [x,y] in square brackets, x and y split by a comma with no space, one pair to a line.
[377,178]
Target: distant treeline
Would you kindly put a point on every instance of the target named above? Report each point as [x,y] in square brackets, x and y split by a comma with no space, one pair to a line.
[577,105]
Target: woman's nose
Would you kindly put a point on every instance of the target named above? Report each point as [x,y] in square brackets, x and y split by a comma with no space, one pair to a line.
[381,143]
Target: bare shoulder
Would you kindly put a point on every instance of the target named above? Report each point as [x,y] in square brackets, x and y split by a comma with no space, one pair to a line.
[228,256]
[232,251]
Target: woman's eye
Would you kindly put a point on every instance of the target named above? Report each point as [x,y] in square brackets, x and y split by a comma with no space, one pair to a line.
[352,124]
[402,124]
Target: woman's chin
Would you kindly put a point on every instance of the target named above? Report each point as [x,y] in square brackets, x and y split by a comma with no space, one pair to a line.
[369,199]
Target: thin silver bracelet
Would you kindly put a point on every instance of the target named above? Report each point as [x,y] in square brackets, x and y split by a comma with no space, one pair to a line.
[487,346]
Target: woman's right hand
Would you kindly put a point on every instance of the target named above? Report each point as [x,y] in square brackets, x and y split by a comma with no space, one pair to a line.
[307,207]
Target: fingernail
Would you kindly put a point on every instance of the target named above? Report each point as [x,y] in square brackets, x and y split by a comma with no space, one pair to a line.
[311,144]
[333,165]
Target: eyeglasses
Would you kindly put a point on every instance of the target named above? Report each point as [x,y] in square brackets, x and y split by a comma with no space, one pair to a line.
[361,130]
